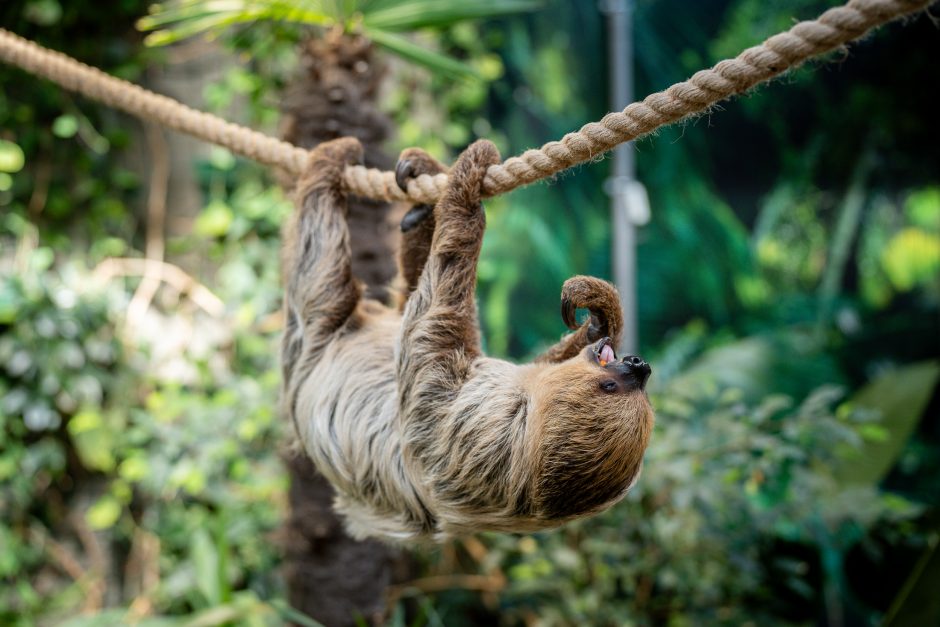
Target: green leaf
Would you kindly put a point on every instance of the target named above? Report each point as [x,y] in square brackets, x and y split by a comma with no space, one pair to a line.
[94,440]
[217,615]
[900,396]
[409,51]
[43,12]
[416,14]
[787,362]
[41,259]
[222,550]
[874,433]
[11,157]
[221,159]
[918,603]
[101,619]
[65,126]
[104,513]
[292,615]
[205,559]
[922,208]
[179,21]
[215,220]
[134,468]
[9,303]
[912,257]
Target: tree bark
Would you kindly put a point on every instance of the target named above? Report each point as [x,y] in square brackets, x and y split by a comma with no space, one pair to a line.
[331,577]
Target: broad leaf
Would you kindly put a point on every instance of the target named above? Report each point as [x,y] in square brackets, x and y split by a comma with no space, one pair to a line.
[918,603]
[786,362]
[205,560]
[900,397]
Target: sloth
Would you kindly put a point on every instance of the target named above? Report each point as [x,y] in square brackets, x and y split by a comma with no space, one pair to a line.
[421,435]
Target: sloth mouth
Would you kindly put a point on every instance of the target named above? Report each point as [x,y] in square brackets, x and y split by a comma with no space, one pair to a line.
[604,352]
[631,370]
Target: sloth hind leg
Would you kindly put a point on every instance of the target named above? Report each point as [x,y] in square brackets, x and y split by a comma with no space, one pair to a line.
[602,300]
[417,226]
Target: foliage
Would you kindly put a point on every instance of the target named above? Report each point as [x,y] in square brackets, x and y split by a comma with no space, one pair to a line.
[382,21]
[789,307]
[173,448]
[141,462]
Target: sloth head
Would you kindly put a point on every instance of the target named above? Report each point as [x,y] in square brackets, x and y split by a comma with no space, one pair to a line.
[595,421]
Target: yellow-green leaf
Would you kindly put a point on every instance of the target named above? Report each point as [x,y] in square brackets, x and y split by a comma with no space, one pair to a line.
[104,513]
[11,157]
[215,220]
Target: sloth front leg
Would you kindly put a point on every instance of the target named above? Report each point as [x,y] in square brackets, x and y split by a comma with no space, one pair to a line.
[320,291]
[602,300]
[440,336]
[417,226]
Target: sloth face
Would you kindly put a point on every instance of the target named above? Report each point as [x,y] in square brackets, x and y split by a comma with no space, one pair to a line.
[595,421]
[626,375]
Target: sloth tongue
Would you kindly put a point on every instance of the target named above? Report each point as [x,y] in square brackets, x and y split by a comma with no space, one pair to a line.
[607,355]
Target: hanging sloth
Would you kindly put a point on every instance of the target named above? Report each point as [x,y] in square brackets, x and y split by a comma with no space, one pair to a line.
[420,433]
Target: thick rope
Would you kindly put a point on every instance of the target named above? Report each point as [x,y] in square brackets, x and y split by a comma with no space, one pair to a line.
[834,28]
[120,94]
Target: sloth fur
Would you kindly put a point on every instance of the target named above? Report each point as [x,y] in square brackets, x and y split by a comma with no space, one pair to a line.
[420,433]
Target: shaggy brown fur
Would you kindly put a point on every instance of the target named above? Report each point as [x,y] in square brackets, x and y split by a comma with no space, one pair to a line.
[420,433]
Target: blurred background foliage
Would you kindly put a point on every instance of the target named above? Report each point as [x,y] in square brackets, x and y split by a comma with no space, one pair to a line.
[788,301]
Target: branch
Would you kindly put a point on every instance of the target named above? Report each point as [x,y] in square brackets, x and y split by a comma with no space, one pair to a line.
[170,274]
[156,217]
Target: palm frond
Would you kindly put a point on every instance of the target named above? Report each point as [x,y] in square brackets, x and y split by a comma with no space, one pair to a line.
[421,56]
[380,20]
[416,14]
[192,17]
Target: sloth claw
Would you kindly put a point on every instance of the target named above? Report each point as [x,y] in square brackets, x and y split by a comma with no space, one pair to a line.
[597,325]
[412,163]
[404,171]
[415,216]
[568,310]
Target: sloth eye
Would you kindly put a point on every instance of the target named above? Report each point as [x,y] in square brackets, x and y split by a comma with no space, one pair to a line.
[609,386]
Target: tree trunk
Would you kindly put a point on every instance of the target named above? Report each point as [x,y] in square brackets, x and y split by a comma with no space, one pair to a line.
[330,576]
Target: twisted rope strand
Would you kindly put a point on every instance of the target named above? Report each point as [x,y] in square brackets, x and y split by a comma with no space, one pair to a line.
[834,28]
[706,88]
[130,98]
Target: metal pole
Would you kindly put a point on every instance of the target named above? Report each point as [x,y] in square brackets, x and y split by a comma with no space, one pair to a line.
[623,259]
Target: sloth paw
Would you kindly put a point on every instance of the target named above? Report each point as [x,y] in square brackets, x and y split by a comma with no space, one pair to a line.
[412,163]
[325,164]
[345,150]
[472,164]
[465,189]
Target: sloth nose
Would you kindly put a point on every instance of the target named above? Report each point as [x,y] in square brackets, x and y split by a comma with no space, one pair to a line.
[637,368]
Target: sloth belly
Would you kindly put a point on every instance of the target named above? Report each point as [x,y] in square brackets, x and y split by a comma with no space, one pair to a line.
[347,415]
[347,404]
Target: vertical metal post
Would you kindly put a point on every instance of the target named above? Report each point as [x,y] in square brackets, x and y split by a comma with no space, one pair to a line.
[620,50]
